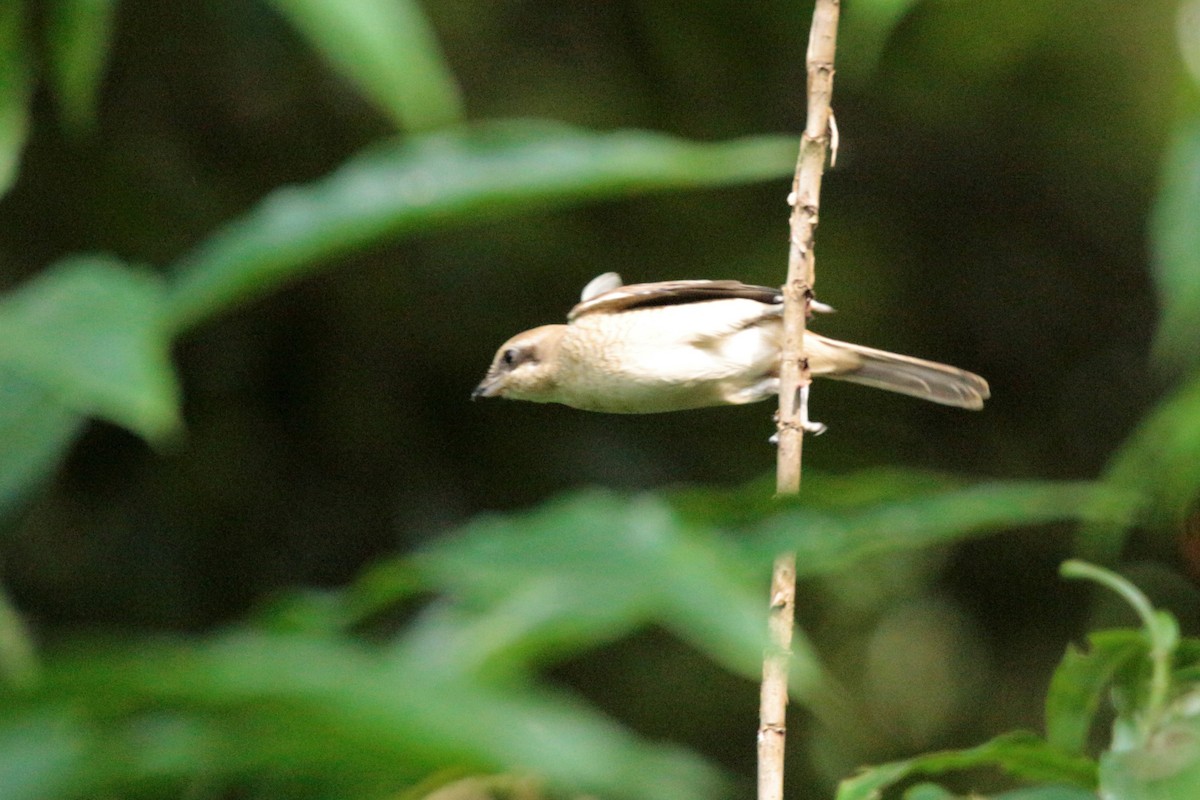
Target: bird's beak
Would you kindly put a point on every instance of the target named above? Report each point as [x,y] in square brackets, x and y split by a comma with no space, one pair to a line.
[489,387]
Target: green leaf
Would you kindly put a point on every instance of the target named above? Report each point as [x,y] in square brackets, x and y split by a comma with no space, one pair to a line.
[1020,754]
[15,91]
[337,715]
[1187,28]
[929,791]
[822,491]
[1175,245]
[88,334]
[36,429]
[446,178]
[592,566]
[389,50]
[377,591]
[381,587]
[1081,684]
[589,567]
[1047,793]
[1159,463]
[1159,763]
[1186,669]
[826,541]
[39,752]
[79,34]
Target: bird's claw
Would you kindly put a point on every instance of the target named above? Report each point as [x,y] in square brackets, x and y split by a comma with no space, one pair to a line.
[815,428]
[817,307]
[807,425]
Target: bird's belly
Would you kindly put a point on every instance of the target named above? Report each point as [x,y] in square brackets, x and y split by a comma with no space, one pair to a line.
[657,376]
[639,394]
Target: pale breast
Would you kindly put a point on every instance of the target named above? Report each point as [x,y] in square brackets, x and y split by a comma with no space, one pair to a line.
[666,359]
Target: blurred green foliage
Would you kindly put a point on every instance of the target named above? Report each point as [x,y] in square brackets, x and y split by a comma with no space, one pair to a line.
[14,91]
[1154,752]
[78,36]
[257,544]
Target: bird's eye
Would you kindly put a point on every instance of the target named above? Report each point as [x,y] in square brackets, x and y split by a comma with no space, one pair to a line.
[510,357]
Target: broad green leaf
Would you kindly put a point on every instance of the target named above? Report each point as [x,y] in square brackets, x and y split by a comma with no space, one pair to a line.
[1020,754]
[1047,793]
[79,34]
[1082,682]
[377,591]
[1158,763]
[88,334]
[846,502]
[1160,463]
[1186,668]
[592,566]
[1187,29]
[446,178]
[15,90]
[870,782]
[822,491]
[389,50]
[339,715]
[1175,244]
[36,429]
[40,752]
[826,541]
[929,791]
[380,588]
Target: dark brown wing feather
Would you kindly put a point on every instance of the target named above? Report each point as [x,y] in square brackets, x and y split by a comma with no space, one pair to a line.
[670,293]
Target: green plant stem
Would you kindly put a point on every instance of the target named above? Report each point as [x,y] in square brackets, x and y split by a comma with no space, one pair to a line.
[1162,632]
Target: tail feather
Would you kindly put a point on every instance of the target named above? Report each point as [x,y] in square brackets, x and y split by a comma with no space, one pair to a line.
[927,380]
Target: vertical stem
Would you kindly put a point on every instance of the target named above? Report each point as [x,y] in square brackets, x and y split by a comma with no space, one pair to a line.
[772,706]
[805,201]
[793,376]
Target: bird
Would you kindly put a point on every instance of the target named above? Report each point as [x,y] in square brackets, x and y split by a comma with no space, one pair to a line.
[676,345]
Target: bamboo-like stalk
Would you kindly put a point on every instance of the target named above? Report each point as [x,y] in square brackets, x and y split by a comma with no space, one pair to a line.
[772,709]
[805,201]
[815,146]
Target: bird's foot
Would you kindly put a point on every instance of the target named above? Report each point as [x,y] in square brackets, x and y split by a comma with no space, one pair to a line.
[815,428]
[805,424]
[811,426]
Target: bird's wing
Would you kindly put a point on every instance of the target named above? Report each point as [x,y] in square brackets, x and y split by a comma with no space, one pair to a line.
[600,285]
[667,293]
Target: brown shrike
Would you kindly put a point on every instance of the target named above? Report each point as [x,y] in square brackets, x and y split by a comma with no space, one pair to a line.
[677,345]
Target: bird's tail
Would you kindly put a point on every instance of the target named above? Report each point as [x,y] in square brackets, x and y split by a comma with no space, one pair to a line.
[928,380]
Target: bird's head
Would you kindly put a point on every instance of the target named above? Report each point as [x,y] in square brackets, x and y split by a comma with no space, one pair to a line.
[524,367]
